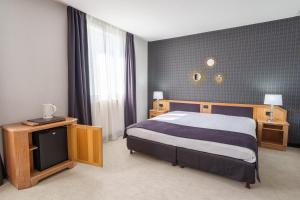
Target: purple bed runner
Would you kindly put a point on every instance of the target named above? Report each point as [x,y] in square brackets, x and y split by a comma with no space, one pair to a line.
[211,135]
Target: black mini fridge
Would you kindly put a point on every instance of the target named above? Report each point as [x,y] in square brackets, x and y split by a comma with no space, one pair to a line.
[52,147]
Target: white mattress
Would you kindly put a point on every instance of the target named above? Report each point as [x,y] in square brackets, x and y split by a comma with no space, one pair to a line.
[242,125]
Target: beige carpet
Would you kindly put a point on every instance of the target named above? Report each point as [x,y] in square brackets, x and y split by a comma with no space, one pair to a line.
[138,176]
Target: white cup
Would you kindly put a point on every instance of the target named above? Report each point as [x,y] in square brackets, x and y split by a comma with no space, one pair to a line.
[48,111]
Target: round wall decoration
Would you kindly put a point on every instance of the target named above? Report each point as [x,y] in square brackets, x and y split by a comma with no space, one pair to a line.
[219,78]
[210,62]
[197,76]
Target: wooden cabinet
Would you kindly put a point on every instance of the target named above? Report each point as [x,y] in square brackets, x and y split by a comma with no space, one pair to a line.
[84,145]
[273,135]
[154,113]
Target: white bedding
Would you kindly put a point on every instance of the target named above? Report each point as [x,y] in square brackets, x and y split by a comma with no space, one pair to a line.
[203,120]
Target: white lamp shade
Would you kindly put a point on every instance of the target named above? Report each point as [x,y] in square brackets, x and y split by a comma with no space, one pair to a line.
[273,99]
[158,95]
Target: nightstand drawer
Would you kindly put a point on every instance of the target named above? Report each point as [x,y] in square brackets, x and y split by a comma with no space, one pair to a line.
[272,136]
[273,126]
[151,115]
[154,113]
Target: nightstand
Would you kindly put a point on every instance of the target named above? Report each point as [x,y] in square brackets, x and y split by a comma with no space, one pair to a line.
[154,113]
[273,134]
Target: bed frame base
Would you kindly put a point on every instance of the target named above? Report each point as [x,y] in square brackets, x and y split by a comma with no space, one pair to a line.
[156,149]
[225,166]
[248,185]
[221,165]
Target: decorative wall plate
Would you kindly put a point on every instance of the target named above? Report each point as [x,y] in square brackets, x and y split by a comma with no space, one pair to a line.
[210,62]
[197,76]
[219,78]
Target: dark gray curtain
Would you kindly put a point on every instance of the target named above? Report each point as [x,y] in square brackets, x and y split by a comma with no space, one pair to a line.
[78,67]
[130,93]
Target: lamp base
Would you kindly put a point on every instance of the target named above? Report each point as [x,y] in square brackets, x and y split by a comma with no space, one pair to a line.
[157,105]
[271,113]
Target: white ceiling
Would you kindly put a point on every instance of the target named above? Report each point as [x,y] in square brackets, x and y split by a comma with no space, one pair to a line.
[161,19]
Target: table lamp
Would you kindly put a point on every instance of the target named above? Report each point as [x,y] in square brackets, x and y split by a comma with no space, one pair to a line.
[158,95]
[273,100]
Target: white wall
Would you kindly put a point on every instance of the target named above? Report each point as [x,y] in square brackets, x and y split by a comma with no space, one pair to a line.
[141,56]
[33,58]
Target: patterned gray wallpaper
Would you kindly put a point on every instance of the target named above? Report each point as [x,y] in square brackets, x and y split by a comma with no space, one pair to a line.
[255,59]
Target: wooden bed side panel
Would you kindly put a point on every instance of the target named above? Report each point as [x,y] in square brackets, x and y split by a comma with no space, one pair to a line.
[259,111]
[280,114]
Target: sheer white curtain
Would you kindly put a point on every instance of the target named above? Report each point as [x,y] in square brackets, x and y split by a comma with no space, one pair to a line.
[107,76]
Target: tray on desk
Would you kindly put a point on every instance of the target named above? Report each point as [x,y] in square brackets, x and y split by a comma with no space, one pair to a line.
[42,121]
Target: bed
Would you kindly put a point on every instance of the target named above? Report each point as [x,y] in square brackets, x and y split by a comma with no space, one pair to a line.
[220,139]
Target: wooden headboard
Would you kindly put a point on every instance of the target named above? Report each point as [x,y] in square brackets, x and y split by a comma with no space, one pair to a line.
[259,111]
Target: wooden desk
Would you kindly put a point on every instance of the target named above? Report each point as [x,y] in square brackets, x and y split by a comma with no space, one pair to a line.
[84,145]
